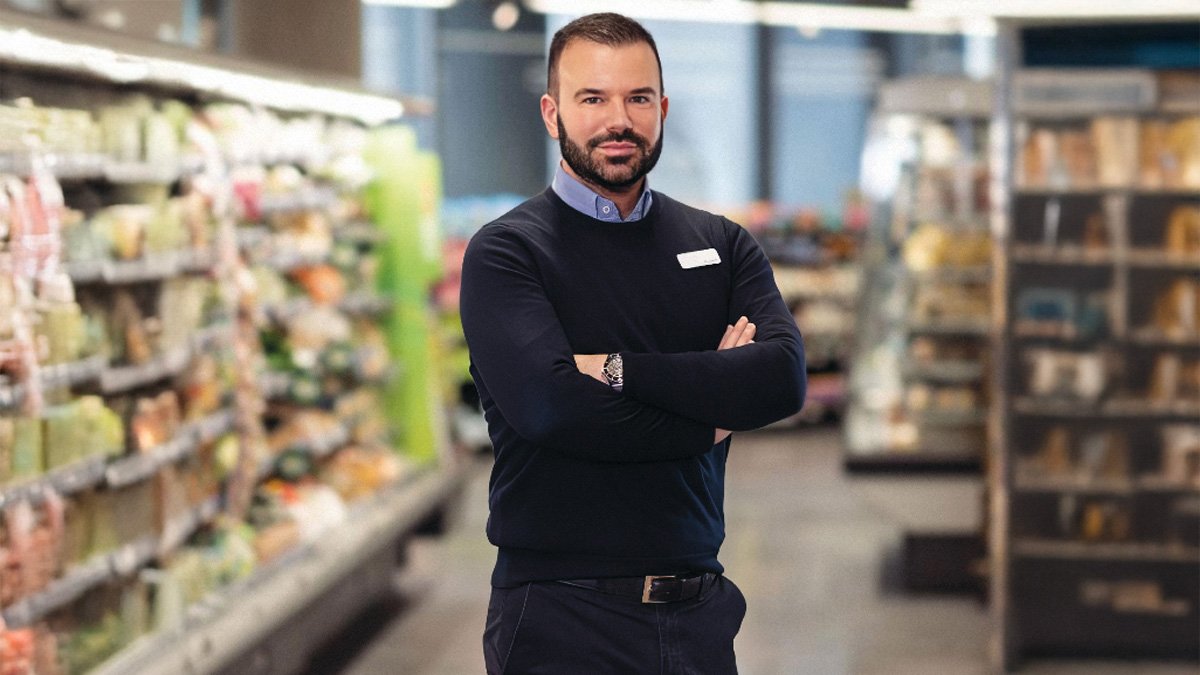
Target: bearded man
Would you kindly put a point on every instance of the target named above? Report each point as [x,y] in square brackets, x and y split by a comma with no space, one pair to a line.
[617,337]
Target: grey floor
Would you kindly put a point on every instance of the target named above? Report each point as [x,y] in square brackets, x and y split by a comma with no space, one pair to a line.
[805,544]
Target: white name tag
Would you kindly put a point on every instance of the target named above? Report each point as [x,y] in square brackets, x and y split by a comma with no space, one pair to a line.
[700,258]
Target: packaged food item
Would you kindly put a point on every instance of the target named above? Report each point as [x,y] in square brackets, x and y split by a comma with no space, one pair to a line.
[7,441]
[27,458]
[60,327]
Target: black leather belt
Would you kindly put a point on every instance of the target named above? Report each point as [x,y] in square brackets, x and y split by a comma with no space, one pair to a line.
[651,589]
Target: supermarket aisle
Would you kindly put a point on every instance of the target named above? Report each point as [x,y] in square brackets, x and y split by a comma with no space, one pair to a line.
[803,544]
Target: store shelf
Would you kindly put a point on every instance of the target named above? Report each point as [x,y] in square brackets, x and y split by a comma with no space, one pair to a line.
[140,466]
[315,199]
[96,166]
[946,371]
[105,567]
[120,379]
[965,275]
[60,375]
[1133,552]
[1119,409]
[287,261]
[950,327]
[151,267]
[1061,255]
[177,530]
[79,475]
[1100,191]
[360,232]
[60,593]
[949,418]
[1158,259]
[1126,487]
[124,378]
[1152,337]
[244,614]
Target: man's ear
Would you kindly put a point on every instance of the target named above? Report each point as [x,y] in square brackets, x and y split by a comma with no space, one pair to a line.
[550,115]
[665,105]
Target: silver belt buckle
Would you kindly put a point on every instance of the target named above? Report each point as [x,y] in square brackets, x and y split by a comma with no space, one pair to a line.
[649,583]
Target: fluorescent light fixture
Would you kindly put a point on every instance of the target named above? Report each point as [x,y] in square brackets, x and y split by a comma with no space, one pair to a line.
[803,15]
[970,17]
[835,17]
[422,4]
[23,47]
[1067,9]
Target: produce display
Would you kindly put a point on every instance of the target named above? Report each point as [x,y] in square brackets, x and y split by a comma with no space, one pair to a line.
[193,362]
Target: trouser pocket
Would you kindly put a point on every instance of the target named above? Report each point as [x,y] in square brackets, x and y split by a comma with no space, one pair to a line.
[505,610]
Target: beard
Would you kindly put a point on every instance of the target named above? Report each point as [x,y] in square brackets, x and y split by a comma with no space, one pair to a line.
[612,174]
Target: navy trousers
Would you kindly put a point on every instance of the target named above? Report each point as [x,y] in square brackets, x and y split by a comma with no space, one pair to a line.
[552,628]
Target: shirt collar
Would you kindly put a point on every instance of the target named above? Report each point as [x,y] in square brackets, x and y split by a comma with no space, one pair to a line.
[585,200]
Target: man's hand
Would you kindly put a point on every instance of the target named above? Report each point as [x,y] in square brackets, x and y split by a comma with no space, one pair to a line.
[592,364]
[737,335]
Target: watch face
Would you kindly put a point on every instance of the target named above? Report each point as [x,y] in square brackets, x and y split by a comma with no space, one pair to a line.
[614,370]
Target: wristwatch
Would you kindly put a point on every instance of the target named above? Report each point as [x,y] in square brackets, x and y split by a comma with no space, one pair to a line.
[614,371]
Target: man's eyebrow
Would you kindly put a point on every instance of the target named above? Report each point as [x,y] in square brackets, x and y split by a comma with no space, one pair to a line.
[600,92]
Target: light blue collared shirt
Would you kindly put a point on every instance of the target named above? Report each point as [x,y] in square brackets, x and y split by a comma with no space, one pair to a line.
[584,200]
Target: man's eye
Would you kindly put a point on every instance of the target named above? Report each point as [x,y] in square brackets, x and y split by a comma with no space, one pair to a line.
[592,99]
[640,99]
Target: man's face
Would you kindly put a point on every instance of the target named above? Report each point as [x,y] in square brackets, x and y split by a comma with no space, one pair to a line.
[609,113]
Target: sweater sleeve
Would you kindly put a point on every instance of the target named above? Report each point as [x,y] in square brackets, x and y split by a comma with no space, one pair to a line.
[521,352]
[735,389]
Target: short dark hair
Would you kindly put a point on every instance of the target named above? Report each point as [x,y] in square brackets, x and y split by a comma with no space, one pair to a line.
[605,28]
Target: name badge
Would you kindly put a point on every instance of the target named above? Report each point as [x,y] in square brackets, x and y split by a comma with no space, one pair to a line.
[700,258]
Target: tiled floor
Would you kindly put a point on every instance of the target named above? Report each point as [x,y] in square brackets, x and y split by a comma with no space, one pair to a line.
[806,546]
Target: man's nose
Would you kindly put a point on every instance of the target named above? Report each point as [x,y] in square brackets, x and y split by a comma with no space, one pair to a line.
[618,117]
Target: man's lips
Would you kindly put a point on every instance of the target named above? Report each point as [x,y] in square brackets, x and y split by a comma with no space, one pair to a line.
[618,148]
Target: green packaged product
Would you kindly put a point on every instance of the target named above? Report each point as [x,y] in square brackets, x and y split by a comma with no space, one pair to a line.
[27,459]
[63,330]
[6,449]
[62,439]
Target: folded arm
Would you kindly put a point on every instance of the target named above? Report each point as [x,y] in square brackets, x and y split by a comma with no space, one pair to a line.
[737,389]
[519,349]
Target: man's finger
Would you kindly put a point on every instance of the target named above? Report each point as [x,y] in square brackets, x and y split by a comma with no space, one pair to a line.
[747,335]
[725,338]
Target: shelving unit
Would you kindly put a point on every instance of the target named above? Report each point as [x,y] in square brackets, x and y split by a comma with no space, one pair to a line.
[1095,464]
[819,275]
[190,471]
[918,387]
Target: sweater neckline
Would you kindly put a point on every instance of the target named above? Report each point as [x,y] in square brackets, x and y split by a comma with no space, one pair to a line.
[651,215]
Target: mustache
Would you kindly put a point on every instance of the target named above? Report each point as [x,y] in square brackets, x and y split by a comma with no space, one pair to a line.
[627,136]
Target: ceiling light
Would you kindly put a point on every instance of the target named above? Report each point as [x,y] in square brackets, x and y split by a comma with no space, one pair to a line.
[1031,9]
[421,4]
[506,15]
[800,15]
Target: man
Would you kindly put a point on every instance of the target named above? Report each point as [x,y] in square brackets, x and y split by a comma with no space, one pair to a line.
[615,335]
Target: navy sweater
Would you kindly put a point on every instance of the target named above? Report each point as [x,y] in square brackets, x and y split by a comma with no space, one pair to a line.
[592,482]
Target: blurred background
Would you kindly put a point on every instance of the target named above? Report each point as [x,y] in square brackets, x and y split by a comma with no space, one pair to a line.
[238,435]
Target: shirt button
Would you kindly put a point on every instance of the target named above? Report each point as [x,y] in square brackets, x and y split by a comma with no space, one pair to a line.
[606,209]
